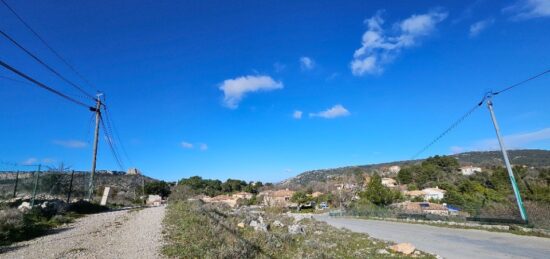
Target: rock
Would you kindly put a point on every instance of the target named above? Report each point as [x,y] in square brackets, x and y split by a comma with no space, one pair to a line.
[154,200]
[241,225]
[24,207]
[277,223]
[296,229]
[404,248]
[318,232]
[258,226]
[382,251]
[54,207]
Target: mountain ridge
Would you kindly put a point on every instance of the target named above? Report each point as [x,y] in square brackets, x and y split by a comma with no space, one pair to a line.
[527,157]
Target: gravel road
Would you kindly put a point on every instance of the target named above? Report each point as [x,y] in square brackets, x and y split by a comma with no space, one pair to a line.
[449,242]
[117,234]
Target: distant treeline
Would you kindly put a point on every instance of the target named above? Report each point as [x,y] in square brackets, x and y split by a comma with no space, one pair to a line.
[213,187]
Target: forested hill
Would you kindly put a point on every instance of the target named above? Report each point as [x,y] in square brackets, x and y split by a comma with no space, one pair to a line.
[528,157]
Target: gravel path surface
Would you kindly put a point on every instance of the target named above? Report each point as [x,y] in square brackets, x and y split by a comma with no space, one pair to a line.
[449,242]
[118,234]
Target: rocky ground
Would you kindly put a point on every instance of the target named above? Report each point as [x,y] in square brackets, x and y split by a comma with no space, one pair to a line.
[132,233]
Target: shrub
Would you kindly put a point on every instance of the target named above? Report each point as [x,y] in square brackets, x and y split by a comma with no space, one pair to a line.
[11,224]
[86,207]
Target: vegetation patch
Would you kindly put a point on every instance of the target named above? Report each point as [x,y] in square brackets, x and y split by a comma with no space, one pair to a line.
[197,230]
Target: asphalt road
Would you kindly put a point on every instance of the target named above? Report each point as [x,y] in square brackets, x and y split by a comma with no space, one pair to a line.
[449,242]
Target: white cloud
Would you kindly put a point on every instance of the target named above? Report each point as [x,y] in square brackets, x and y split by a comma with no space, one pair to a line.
[306,63]
[186,145]
[378,49]
[297,114]
[235,89]
[478,27]
[70,143]
[203,147]
[334,112]
[30,161]
[514,141]
[527,9]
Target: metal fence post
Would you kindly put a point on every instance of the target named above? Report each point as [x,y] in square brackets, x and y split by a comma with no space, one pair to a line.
[15,186]
[35,186]
[70,187]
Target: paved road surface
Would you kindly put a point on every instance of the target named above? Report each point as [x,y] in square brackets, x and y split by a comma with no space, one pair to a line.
[449,242]
[118,234]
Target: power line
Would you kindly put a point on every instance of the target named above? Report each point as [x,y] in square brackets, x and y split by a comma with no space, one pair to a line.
[522,82]
[48,45]
[41,85]
[469,112]
[14,80]
[45,65]
[112,128]
[449,129]
[111,145]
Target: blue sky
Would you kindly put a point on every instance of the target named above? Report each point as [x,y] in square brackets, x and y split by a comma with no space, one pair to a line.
[264,90]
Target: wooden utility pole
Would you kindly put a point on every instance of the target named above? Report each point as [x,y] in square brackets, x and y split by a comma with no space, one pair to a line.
[97,111]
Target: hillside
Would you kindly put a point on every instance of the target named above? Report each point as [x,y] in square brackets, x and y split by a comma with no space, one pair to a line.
[528,157]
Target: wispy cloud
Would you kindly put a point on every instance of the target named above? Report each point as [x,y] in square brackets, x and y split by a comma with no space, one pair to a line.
[513,141]
[297,114]
[528,9]
[70,143]
[478,27]
[186,145]
[30,161]
[331,113]
[379,49]
[235,89]
[35,161]
[307,63]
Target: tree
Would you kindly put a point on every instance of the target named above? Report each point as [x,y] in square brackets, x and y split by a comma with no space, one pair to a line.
[405,175]
[446,163]
[158,188]
[300,198]
[378,193]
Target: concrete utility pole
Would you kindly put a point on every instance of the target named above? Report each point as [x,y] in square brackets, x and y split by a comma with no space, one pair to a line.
[97,111]
[507,161]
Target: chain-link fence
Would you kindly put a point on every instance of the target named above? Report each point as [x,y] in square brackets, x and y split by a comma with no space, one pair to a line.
[71,185]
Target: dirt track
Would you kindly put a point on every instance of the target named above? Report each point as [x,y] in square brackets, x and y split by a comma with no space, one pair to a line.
[118,234]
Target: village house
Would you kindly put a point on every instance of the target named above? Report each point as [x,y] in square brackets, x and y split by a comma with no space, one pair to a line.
[422,208]
[133,171]
[427,193]
[433,193]
[470,170]
[389,182]
[279,198]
